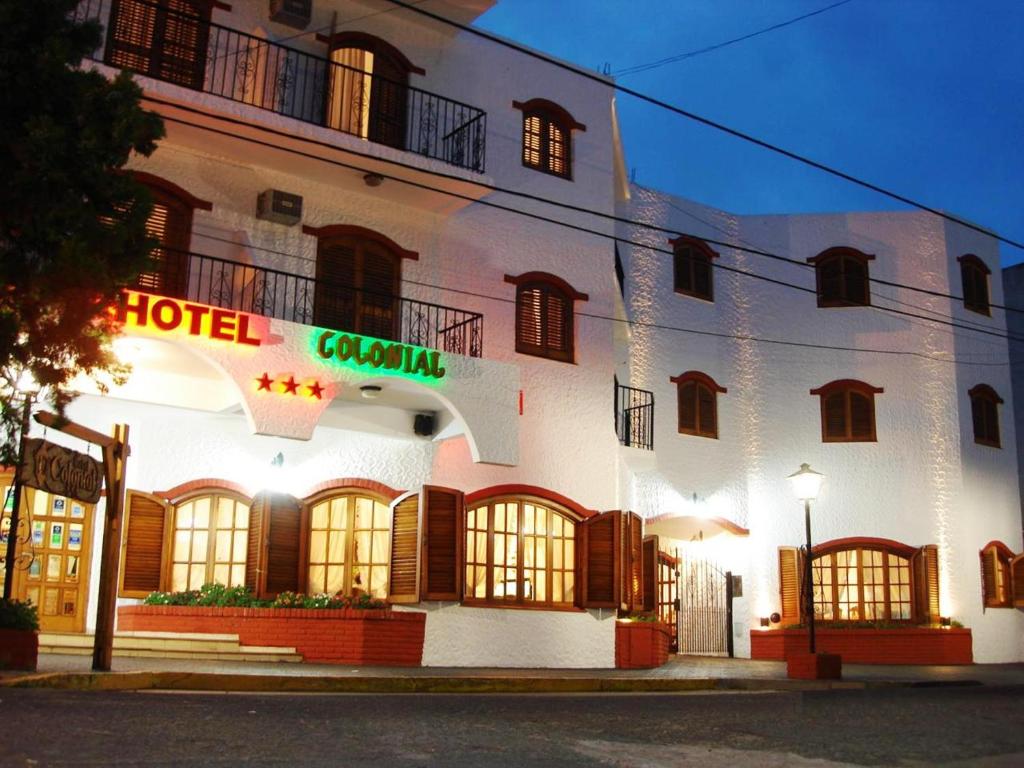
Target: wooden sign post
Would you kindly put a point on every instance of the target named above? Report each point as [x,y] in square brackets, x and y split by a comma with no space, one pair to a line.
[115,456]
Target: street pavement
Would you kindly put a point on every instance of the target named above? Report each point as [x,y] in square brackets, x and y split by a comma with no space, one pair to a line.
[979,726]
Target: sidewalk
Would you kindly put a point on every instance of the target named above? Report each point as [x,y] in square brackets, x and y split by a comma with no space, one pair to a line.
[681,673]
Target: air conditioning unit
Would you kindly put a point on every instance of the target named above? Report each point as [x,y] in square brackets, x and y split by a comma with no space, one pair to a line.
[294,13]
[280,207]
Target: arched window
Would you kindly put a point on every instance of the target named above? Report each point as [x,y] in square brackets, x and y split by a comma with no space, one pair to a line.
[692,267]
[547,137]
[368,88]
[698,403]
[349,545]
[985,415]
[544,315]
[210,538]
[974,275]
[358,281]
[170,224]
[847,411]
[164,39]
[996,579]
[520,551]
[842,278]
[863,583]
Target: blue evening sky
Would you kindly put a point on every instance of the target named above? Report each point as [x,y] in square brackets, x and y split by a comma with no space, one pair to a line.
[924,97]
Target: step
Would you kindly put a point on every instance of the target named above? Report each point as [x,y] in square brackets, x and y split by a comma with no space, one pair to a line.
[168,645]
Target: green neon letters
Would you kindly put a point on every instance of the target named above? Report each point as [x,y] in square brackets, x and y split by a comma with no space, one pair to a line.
[386,355]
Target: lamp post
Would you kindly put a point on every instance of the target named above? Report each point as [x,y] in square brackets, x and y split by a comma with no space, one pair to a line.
[806,484]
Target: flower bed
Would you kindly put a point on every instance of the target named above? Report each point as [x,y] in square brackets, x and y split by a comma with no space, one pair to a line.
[910,645]
[373,636]
[641,644]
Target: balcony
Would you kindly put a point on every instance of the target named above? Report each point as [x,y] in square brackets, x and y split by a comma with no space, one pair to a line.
[634,417]
[308,301]
[185,50]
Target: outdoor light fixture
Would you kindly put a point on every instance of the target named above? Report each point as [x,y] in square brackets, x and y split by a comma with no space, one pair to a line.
[945,621]
[765,621]
[277,461]
[775,617]
[373,179]
[370,391]
[806,484]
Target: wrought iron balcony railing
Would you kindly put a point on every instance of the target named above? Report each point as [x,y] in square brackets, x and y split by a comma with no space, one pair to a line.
[167,44]
[634,417]
[285,296]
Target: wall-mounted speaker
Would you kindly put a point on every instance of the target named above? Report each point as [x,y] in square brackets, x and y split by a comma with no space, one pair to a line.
[423,424]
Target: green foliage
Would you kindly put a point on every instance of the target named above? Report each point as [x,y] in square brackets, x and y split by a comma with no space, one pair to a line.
[240,597]
[72,226]
[15,614]
[866,625]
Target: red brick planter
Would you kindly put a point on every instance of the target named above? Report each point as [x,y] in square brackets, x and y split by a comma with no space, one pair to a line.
[641,644]
[19,649]
[914,645]
[814,666]
[375,637]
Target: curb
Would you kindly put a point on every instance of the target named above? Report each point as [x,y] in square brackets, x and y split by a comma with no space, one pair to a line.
[205,681]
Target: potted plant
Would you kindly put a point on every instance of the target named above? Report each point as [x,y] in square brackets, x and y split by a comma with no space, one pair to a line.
[19,635]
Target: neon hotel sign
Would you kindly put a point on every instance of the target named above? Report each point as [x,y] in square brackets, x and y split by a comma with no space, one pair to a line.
[140,310]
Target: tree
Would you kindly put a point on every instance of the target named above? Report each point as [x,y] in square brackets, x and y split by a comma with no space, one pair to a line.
[72,223]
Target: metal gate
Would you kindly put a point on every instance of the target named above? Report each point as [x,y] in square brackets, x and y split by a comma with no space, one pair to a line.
[705,615]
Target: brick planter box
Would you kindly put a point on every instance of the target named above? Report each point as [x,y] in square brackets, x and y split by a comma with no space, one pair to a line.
[914,645]
[376,637]
[641,644]
[814,666]
[19,649]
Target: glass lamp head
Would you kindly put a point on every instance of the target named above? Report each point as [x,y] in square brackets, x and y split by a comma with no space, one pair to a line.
[806,483]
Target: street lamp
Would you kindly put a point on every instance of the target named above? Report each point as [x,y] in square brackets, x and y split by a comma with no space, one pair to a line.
[806,484]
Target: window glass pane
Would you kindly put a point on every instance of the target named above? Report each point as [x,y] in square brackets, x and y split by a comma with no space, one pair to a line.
[319,517]
[318,547]
[201,513]
[182,545]
[221,574]
[222,547]
[225,512]
[179,577]
[196,575]
[199,544]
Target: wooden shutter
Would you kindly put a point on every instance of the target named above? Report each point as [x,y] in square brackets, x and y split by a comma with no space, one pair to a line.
[701,275]
[528,320]
[632,562]
[165,39]
[830,281]
[378,296]
[558,149]
[688,406]
[144,545]
[334,298]
[683,274]
[834,414]
[442,517]
[855,281]
[650,573]
[706,411]
[862,416]
[130,42]
[989,564]
[601,560]
[790,578]
[279,519]
[1016,585]
[170,224]
[255,567]
[925,566]
[532,140]
[557,323]
[389,97]
[404,578]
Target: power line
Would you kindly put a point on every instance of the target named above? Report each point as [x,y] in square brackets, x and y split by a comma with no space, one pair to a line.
[713,124]
[690,54]
[559,204]
[540,217]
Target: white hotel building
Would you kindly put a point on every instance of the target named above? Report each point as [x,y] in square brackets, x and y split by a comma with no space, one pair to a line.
[388,376]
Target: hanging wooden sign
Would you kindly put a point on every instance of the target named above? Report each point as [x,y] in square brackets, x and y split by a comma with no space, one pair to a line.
[61,471]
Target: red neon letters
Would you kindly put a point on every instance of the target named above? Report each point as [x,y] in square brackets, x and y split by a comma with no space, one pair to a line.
[139,310]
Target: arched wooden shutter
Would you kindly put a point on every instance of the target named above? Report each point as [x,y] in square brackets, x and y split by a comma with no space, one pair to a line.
[378,300]
[835,415]
[688,406]
[442,516]
[557,323]
[544,322]
[830,281]
[707,411]
[601,559]
[279,519]
[1017,581]
[701,275]
[144,545]
[334,298]
[790,578]
[855,280]
[650,573]
[861,415]
[170,224]
[989,564]
[925,566]
[389,96]
[255,567]
[404,582]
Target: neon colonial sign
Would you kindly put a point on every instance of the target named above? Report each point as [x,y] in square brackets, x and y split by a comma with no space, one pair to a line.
[174,316]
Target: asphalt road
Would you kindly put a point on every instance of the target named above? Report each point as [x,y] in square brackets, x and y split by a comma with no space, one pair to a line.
[980,726]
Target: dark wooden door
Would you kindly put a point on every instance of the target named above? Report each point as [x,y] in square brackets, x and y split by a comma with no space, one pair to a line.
[357,287]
